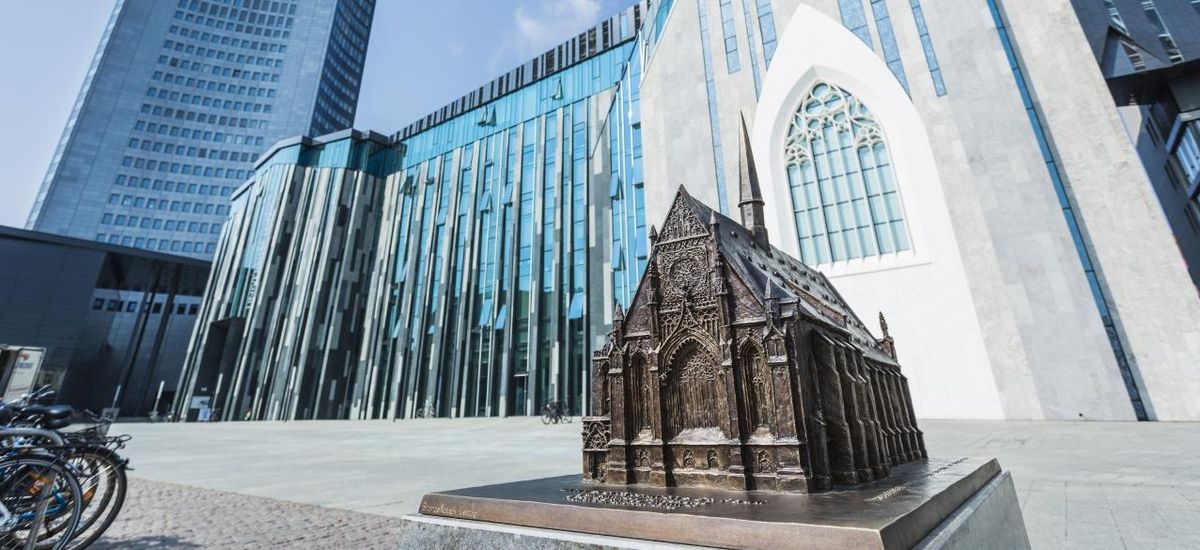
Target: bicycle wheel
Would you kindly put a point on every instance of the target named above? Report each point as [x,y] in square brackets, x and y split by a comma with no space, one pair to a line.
[101,475]
[547,417]
[40,504]
[567,418]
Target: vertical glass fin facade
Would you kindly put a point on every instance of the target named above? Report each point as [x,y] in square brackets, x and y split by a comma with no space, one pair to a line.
[276,335]
[474,271]
[533,211]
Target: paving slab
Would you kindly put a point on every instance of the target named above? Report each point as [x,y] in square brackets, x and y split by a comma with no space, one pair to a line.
[1081,484]
[168,515]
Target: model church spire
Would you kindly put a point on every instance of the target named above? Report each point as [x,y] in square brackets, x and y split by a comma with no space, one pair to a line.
[750,199]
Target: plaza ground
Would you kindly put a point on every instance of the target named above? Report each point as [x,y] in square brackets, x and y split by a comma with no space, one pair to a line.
[321,484]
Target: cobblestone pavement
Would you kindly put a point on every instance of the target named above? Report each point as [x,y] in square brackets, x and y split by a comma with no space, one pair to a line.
[167,515]
[1093,485]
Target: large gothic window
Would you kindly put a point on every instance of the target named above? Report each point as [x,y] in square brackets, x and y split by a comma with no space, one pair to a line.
[844,197]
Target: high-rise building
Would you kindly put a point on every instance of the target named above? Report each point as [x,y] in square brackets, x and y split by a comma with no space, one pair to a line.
[958,166]
[181,98]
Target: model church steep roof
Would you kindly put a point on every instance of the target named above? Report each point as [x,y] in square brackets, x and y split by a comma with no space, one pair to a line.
[738,366]
[767,271]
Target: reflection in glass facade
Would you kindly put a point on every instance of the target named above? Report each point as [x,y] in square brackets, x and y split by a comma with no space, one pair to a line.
[471,272]
[181,98]
[844,196]
[277,334]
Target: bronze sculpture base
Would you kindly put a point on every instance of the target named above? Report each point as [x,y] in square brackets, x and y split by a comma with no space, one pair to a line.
[896,512]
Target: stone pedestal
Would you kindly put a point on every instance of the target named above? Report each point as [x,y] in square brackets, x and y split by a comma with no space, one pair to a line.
[929,504]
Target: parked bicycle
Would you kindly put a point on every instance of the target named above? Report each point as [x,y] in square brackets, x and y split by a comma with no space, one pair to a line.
[156,417]
[426,411]
[555,412]
[58,489]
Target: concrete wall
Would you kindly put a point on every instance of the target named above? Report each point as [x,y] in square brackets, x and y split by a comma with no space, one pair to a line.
[1155,302]
[992,310]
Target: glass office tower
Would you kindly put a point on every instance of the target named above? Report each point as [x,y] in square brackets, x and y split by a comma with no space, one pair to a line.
[179,101]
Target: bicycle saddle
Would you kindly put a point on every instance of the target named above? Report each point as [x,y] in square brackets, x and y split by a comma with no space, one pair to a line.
[52,412]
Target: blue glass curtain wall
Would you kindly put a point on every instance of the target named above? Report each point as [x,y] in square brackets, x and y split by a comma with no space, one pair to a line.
[493,316]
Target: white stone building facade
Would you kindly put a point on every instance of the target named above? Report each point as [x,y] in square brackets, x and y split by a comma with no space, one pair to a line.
[1032,274]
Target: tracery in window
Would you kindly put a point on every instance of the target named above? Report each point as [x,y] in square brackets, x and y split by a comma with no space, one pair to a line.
[845,202]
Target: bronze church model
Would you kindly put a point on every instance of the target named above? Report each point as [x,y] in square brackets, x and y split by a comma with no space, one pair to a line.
[739,367]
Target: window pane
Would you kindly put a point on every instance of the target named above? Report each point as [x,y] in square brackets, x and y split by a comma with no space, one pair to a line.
[844,198]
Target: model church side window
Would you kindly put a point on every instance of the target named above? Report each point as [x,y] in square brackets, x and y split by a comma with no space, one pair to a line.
[845,202]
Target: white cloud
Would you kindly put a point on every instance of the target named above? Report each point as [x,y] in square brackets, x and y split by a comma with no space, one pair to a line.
[539,25]
[543,24]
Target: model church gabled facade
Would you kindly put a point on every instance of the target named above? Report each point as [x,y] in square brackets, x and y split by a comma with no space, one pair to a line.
[739,367]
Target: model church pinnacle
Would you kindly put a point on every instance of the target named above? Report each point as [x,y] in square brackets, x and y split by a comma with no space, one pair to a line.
[750,199]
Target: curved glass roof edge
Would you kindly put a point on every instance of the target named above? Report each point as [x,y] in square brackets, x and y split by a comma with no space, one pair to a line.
[619,56]
[577,83]
[609,34]
[367,151]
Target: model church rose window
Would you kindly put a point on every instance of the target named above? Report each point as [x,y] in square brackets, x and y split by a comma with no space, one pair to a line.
[844,197]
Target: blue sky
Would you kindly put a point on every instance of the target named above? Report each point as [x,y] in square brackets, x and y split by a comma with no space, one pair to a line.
[423,54]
